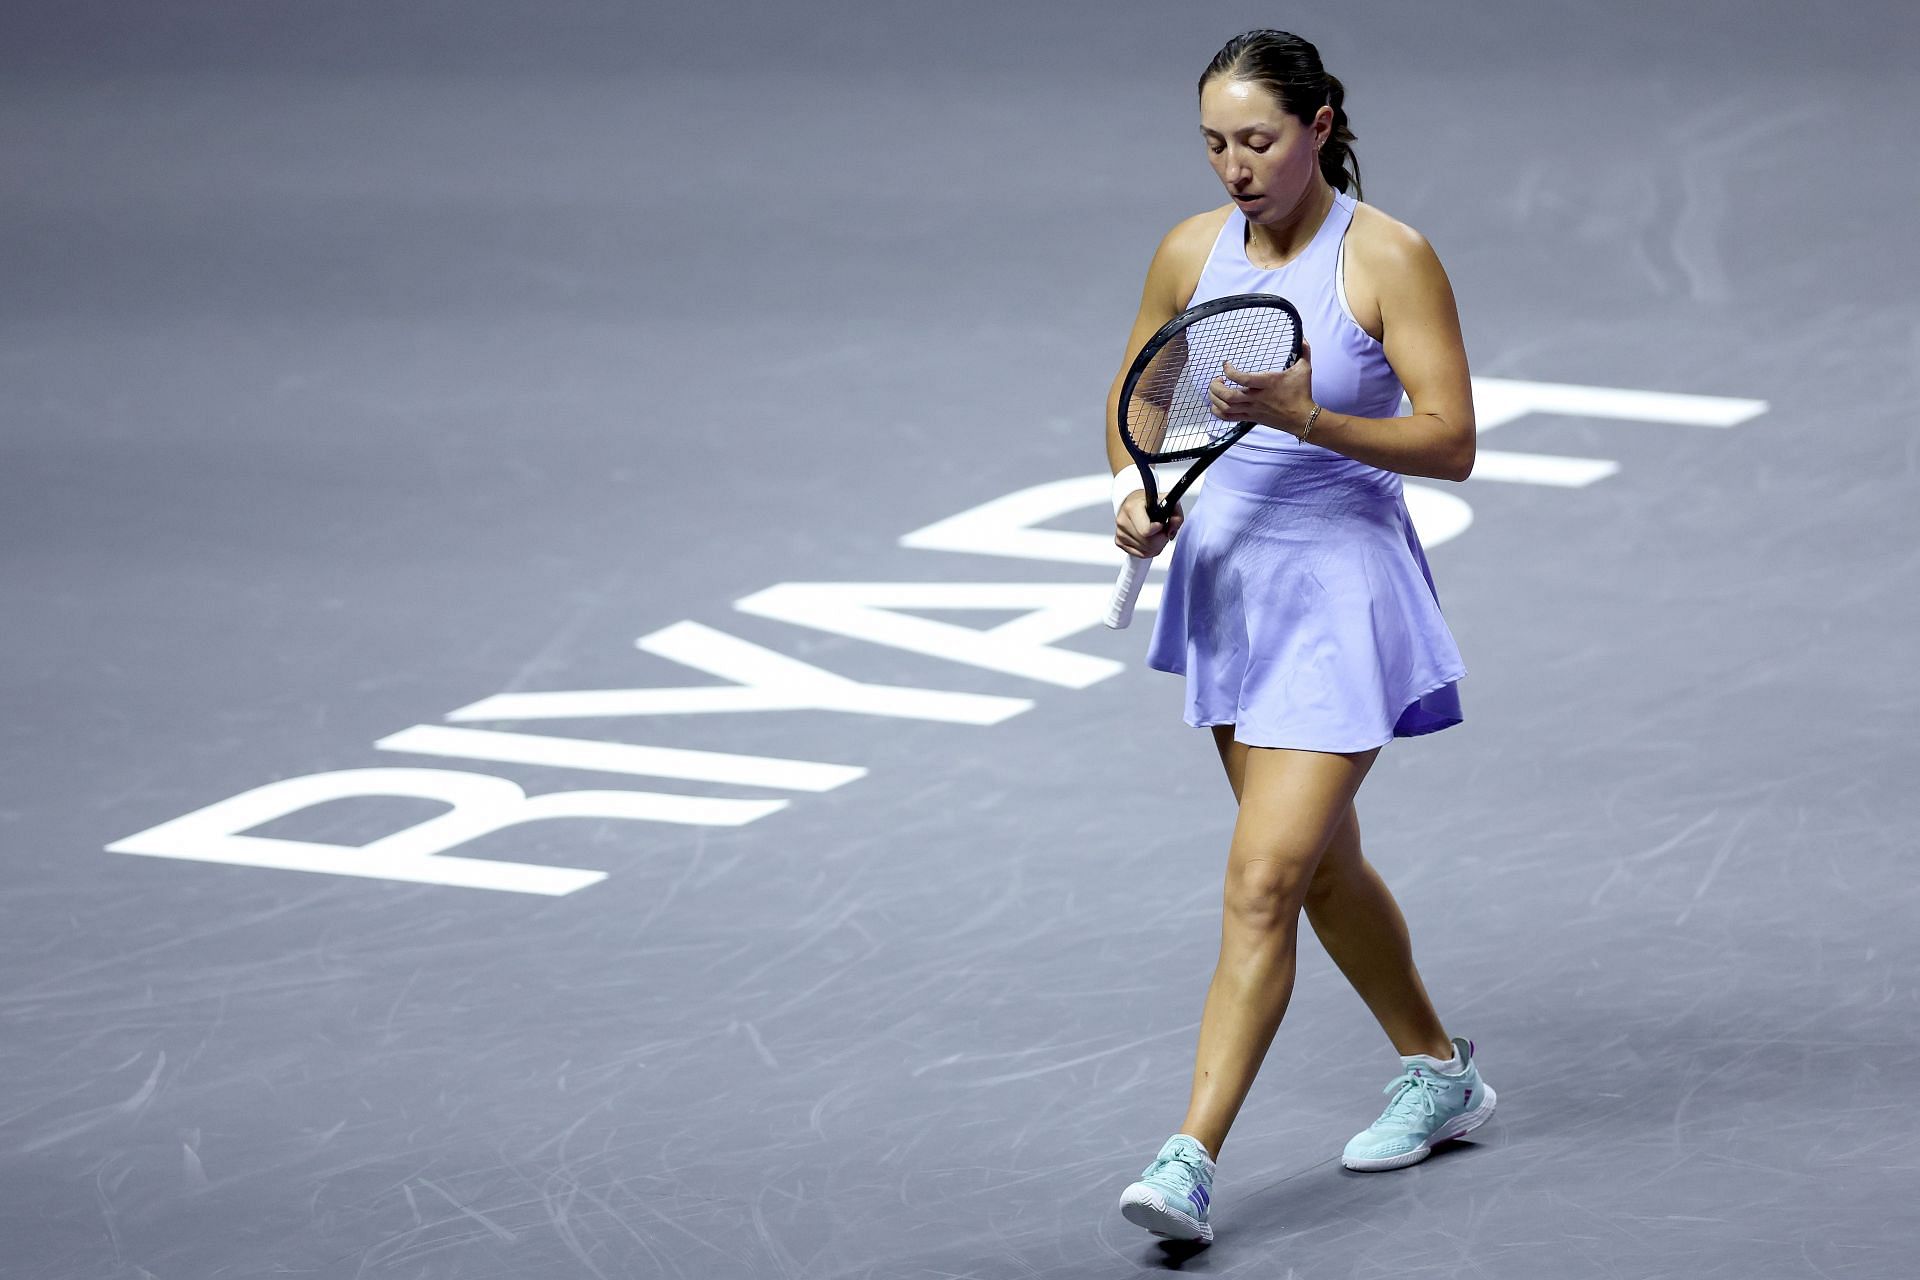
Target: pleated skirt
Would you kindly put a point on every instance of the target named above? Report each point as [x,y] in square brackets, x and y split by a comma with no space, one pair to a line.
[1300,608]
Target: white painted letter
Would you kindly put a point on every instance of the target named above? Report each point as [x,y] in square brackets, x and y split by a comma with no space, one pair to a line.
[767,681]
[1003,527]
[1558,470]
[1000,527]
[482,804]
[1438,516]
[1022,647]
[621,757]
[1498,401]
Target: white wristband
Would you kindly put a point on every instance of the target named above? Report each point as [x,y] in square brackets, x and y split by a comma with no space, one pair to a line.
[1126,483]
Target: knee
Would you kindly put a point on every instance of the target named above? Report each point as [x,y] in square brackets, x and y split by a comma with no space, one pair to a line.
[1266,894]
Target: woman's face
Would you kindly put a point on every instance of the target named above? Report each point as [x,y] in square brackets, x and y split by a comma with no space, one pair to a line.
[1266,159]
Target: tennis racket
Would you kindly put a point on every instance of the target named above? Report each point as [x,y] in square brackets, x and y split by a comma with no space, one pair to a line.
[1163,402]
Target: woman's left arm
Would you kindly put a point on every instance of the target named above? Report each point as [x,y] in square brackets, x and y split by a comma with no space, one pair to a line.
[1420,333]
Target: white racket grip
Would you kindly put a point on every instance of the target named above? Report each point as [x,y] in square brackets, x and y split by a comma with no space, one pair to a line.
[1126,592]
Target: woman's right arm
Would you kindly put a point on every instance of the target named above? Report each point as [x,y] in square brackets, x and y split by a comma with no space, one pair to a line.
[1171,280]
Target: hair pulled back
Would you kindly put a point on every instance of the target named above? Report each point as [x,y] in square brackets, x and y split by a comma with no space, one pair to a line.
[1289,68]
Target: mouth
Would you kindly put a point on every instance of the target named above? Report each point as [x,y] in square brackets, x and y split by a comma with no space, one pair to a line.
[1245,199]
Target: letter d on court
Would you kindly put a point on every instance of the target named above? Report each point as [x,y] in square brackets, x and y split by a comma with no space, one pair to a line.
[481,804]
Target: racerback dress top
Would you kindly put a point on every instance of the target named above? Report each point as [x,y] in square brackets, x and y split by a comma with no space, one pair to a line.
[1299,603]
[1350,371]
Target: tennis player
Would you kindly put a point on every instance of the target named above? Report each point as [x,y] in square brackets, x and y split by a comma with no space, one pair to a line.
[1299,605]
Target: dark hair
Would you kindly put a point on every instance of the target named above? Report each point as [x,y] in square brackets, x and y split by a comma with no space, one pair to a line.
[1289,68]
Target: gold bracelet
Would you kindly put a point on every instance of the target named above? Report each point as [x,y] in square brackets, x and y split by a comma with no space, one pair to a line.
[1309,426]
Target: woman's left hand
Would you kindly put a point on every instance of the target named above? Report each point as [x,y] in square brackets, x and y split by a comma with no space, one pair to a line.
[1283,399]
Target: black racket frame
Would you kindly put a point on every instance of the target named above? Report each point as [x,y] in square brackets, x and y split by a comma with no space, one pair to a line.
[1158,508]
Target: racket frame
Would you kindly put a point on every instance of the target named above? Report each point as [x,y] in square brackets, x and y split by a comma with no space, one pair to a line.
[1158,508]
[1133,574]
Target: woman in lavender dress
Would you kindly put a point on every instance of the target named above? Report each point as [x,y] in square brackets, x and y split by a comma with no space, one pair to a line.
[1299,605]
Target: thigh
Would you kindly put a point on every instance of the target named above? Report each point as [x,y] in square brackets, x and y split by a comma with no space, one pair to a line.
[1292,806]
[1233,756]
[1342,857]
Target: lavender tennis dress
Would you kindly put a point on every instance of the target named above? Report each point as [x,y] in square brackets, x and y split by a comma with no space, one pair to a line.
[1298,603]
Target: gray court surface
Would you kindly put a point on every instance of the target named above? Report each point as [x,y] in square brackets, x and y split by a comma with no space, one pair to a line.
[363,362]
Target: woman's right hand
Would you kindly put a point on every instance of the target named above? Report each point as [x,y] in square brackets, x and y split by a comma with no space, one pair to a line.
[1138,536]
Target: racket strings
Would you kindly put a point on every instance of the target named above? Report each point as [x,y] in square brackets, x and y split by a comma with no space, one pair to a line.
[1167,413]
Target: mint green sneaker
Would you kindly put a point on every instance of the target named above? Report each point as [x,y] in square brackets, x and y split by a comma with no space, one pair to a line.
[1173,1193]
[1432,1102]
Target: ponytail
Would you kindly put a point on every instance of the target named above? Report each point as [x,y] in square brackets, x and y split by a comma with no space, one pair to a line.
[1338,165]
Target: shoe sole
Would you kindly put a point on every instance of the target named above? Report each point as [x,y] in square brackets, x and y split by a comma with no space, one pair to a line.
[1144,1207]
[1458,1126]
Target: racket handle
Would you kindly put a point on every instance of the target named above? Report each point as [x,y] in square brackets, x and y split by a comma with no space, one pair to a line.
[1133,576]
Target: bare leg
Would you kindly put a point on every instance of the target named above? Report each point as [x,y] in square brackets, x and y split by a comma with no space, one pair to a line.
[1359,923]
[1291,803]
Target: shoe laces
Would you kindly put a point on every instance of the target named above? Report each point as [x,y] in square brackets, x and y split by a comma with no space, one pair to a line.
[1413,1094]
[1183,1159]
